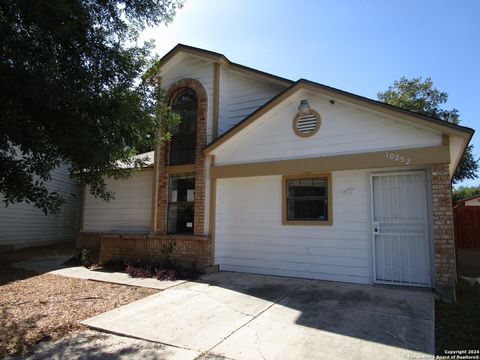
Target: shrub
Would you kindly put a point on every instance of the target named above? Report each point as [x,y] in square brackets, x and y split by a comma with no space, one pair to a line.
[88,258]
[167,251]
[115,265]
[160,272]
[140,270]
[164,274]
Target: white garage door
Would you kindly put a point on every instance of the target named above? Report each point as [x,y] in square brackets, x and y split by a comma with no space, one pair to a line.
[250,237]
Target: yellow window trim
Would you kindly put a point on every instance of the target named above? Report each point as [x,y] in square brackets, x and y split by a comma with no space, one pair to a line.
[368,160]
[284,199]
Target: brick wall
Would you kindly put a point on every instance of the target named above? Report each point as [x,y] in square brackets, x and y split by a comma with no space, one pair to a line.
[444,243]
[200,170]
[189,250]
[162,183]
[87,241]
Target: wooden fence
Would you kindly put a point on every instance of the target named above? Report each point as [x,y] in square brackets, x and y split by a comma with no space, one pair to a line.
[466,221]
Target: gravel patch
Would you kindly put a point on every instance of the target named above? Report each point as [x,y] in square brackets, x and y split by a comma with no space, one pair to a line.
[41,307]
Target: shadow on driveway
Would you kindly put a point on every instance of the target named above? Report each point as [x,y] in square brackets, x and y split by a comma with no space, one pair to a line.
[246,316]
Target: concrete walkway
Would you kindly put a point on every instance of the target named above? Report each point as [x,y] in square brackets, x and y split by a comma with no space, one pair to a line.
[93,345]
[244,316]
[54,265]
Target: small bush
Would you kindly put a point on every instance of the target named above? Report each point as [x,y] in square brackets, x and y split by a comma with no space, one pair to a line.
[115,265]
[140,270]
[163,274]
[160,272]
[88,258]
[167,251]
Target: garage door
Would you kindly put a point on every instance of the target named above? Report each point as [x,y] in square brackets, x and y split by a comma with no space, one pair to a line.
[250,236]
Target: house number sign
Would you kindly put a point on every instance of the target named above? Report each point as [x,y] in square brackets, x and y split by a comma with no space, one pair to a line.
[398,158]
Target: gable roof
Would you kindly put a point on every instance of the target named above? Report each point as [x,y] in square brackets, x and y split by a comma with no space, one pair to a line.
[441,125]
[463,201]
[217,57]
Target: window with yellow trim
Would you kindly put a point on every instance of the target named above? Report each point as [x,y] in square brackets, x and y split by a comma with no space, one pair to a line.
[307,199]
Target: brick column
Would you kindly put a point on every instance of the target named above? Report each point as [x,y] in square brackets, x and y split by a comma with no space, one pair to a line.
[201,142]
[162,183]
[444,242]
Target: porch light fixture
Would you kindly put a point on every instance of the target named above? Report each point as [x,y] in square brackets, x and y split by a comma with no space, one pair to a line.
[304,107]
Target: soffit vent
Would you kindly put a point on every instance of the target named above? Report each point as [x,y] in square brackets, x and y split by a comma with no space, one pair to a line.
[306,125]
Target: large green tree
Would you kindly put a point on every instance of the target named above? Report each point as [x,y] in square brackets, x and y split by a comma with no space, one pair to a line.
[421,96]
[71,92]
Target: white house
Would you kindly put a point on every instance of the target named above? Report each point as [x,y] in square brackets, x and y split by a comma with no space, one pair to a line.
[23,225]
[471,201]
[271,176]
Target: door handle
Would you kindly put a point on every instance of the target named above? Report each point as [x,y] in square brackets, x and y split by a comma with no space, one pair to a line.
[375,228]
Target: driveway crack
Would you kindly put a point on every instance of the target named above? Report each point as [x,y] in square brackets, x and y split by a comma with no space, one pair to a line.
[253,318]
[258,347]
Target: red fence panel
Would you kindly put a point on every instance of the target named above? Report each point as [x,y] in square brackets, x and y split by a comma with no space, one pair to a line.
[466,221]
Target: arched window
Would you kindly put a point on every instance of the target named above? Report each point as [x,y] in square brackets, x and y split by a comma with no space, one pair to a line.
[183,142]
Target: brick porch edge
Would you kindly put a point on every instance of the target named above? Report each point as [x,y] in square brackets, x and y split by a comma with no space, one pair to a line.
[189,250]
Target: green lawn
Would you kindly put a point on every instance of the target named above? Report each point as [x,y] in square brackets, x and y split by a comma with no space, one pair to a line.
[457,326]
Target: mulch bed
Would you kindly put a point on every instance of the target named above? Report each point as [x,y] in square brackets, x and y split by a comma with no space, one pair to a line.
[40,307]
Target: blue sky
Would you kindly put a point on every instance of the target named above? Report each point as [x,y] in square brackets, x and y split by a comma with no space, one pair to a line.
[357,46]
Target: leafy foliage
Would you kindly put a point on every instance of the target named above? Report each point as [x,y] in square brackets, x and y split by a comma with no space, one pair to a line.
[71,93]
[160,272]
[464,192]
[422,97]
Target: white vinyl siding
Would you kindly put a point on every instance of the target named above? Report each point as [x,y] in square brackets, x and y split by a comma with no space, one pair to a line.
[240,96]
[344,129]
[130,211]
[473,202]
[22,224]
[188,66]
[250,237]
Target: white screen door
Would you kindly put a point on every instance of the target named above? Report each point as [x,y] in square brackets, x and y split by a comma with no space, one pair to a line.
[400,232]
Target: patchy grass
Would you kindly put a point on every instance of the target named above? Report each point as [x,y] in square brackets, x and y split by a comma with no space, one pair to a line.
[457,326]
[39,307]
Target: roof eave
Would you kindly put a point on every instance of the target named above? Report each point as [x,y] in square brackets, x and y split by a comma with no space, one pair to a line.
[440,125]
[216,57]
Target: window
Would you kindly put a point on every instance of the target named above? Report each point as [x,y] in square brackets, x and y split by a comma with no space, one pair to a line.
[307,199]
[181,201]
[184,135]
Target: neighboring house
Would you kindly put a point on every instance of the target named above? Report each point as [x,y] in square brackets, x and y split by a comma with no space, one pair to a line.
[466,220]
[470,201]
[271,176]
[23,225]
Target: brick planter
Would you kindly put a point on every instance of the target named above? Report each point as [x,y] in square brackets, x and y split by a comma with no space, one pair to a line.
[189,250]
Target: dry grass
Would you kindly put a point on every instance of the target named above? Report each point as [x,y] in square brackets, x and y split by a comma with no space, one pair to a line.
[38,307]
[457,326]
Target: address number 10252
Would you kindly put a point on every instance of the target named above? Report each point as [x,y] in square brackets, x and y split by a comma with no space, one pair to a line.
[397,157]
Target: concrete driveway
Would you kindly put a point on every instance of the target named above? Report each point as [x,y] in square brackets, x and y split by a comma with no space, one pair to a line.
[245,316]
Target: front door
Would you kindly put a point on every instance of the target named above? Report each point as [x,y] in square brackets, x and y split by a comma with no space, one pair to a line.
[400,229]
